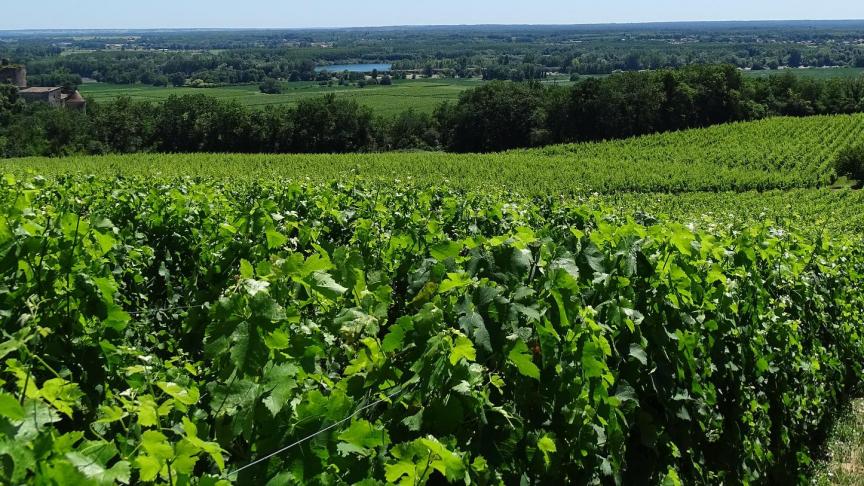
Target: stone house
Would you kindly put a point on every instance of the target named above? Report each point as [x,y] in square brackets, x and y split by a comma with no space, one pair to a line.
[53,95]
[13,74]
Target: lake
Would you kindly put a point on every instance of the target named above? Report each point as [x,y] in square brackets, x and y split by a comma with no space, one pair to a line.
[355,68]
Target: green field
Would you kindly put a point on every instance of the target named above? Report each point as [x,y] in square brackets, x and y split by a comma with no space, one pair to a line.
[422,95]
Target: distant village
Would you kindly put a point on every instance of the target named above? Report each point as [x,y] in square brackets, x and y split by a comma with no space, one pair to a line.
[58,96]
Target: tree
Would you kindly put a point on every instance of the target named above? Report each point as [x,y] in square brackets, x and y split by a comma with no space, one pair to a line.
[330,124]
[270,86]
[410,130]
[124,126]
[66,131]
[795,58]
[8,98]
[178,79]
[850,162]
[633,62]
[201,123]
[59,77]
[496,116]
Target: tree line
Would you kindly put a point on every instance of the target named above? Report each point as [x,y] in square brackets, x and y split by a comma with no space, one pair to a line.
[495,116]
[243,66]
[491,52]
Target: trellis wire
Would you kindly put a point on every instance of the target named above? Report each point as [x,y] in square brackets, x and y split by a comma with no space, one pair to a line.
[311,436]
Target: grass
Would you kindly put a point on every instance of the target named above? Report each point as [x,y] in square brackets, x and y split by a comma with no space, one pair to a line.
[422,95]
[844,462]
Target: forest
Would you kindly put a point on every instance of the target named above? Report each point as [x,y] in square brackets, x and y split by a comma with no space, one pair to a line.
[491,52]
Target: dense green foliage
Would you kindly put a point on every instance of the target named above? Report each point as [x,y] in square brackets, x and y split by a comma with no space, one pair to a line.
[778,153]
[501,116]
[270,86]
[166,329]
[850,161]
[494,116]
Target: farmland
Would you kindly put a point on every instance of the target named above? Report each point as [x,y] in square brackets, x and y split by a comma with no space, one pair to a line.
[778,153]
[681,308]
[423,95]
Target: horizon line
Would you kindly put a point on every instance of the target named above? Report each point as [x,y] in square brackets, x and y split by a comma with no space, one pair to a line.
[403,26]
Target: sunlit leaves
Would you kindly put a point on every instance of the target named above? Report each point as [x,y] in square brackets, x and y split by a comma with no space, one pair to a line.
[362,438]
[462,348]
[418,459]
[186,396]
[547,446]
[275,239]
[211,448]
[10,408]
[454,281]
[148,414]
[158,451]
[246,269]
[119,472]
[109,414]
[61,394]
[324,283]
[522,358]
[445,250]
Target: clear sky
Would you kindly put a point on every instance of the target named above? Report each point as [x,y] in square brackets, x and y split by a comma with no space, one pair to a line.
[86,14]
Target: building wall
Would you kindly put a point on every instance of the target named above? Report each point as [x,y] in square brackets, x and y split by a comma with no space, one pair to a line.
[50,97]
[16,75]
[21,77]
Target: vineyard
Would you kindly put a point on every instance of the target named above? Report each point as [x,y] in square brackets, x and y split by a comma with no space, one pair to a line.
[413,318]
[778,153]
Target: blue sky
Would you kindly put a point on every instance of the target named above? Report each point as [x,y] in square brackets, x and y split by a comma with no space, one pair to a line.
[53,14]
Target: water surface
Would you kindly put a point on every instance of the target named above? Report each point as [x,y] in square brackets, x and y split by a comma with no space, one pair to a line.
[355,68]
